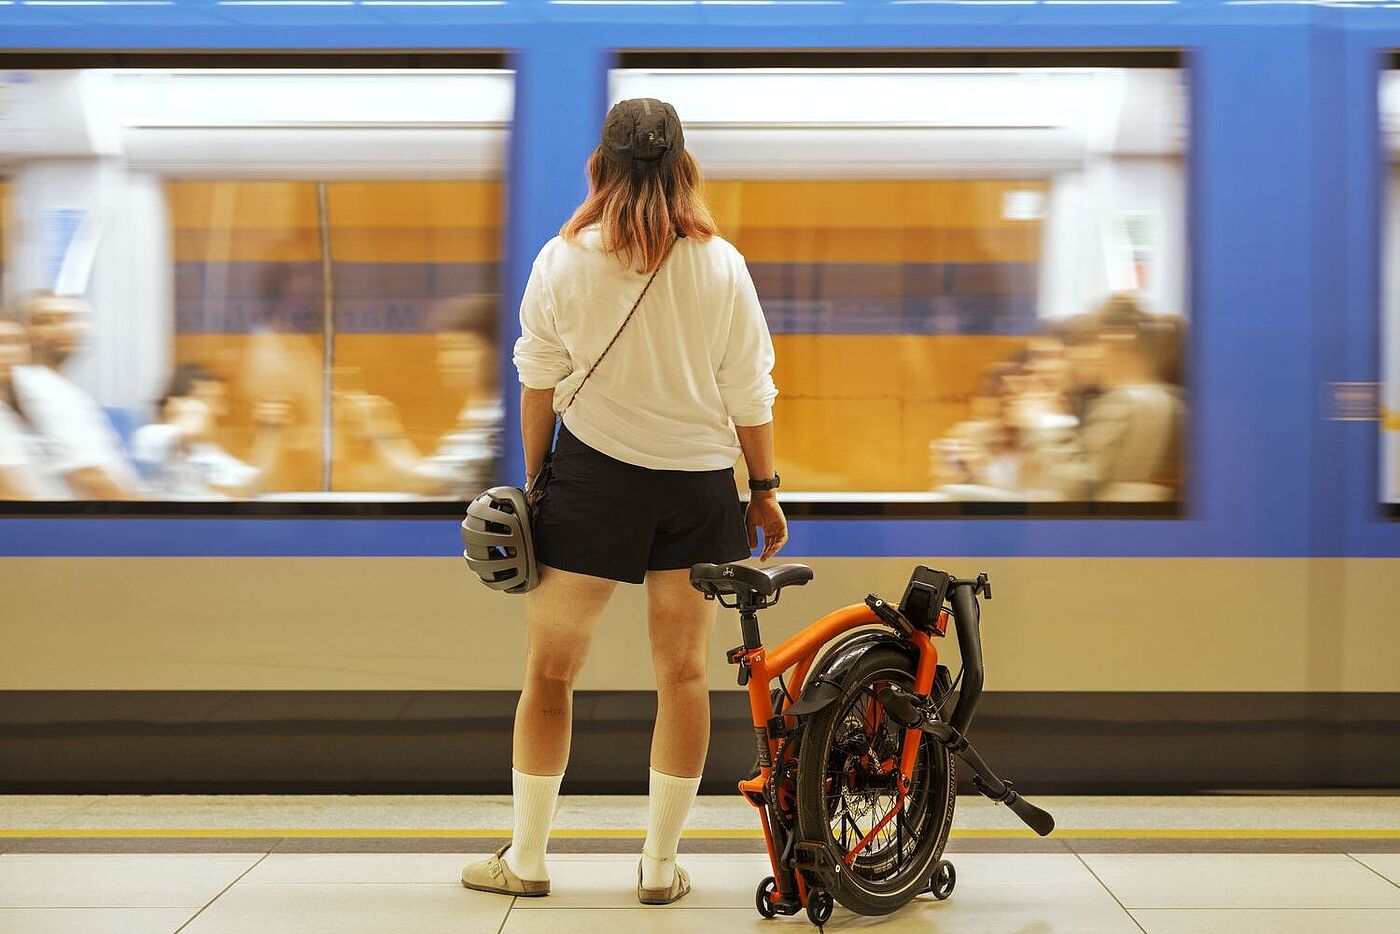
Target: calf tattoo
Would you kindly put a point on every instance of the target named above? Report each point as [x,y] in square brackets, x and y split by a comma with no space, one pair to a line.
[554,711]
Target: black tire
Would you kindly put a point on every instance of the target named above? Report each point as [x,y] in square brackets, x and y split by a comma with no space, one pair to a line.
[945,879]
[819,906]
[761,899]
[889,873]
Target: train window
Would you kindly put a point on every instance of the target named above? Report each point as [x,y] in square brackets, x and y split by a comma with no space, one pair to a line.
[975,275]
[352,326]
[1389,389]
[287,291]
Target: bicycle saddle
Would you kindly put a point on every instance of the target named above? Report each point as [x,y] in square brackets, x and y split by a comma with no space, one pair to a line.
[742,580]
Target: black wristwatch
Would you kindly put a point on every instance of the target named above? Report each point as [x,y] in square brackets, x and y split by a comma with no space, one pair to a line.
[761,485]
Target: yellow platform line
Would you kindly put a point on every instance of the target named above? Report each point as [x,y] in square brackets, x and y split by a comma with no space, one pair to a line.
[1109,833]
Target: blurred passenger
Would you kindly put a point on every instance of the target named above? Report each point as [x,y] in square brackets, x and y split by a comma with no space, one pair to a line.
[1038,411]
[23,458]
[284,364]
[1131,431]
[464,462]
[1083,363]
[82,444]
[178,456]
[1047,364]
[982,451]
[1039,391]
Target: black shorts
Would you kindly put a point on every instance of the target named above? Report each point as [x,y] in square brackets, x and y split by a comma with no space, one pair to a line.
[606,518]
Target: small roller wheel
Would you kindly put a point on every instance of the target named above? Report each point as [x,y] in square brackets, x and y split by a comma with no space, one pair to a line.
[820,904]
[944,878]
[763,898]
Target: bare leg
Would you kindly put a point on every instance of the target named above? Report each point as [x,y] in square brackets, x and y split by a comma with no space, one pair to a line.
[680,621]
[562,614]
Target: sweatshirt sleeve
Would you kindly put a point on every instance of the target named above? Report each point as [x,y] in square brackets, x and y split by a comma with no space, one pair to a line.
[540,356]
[745,371]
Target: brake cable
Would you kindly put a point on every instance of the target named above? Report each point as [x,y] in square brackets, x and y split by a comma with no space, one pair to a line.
[786,693]
[943,699]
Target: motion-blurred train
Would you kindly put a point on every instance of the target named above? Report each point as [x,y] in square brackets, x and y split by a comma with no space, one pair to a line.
[305,261]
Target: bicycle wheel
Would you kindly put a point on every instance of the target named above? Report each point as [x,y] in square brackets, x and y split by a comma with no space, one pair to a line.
[846,787]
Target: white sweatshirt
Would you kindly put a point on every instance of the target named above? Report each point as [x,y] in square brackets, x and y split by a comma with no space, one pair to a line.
[695,361]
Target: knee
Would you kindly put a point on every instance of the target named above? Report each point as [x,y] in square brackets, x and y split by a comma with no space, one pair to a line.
[553,670]
[682,674]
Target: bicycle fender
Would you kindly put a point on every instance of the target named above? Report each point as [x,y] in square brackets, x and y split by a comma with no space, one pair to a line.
[827,682]
[814,697]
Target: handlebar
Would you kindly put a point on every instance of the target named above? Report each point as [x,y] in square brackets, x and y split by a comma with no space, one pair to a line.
[982,584]
[967,616]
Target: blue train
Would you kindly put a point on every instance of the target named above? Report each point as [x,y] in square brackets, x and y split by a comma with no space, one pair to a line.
[930,193]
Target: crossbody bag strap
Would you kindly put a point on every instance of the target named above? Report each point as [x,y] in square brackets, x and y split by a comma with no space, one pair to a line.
[623,326]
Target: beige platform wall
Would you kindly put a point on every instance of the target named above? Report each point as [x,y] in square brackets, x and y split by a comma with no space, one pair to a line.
[1066,624]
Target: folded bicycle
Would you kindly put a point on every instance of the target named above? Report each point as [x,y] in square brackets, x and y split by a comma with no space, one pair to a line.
[854,782]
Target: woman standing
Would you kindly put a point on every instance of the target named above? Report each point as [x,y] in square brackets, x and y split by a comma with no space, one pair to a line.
[643,481]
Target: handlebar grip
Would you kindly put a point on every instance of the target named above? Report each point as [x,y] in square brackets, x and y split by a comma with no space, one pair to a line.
[1035,818]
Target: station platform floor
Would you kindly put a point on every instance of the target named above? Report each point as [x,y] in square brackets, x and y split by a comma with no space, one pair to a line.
[373,864]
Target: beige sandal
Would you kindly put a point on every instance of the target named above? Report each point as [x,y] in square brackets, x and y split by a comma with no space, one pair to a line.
[680,884]
[494,875]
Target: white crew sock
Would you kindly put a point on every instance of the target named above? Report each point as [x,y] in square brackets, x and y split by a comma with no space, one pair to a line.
[668,805]
[534,798]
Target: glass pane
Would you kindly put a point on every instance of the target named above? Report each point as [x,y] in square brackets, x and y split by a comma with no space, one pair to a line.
[415,366]
[887,300]
[248,319]
[975,277]
[1362,402]
[285,289]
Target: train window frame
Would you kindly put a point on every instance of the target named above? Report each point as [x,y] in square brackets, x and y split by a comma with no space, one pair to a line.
[286,505]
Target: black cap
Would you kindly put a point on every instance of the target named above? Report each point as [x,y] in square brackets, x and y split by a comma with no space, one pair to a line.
[642,133]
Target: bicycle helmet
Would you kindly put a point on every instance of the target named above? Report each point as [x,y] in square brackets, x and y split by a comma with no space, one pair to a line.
[500,547]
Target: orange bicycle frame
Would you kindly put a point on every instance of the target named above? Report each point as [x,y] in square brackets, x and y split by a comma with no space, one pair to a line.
[800,651]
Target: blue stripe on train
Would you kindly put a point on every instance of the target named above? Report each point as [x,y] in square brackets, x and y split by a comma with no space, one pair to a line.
[370,298]
[953,314]
[799,298]
[893,280]
[898,298]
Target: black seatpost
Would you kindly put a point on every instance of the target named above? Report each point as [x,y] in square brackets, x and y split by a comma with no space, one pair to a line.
[748,623]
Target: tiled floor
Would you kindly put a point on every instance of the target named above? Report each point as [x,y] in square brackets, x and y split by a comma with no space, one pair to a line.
[1302,864]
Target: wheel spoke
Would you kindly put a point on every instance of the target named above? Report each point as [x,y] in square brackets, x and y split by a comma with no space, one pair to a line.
[846,820]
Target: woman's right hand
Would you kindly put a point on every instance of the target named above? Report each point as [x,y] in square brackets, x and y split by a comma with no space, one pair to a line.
[765,513]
